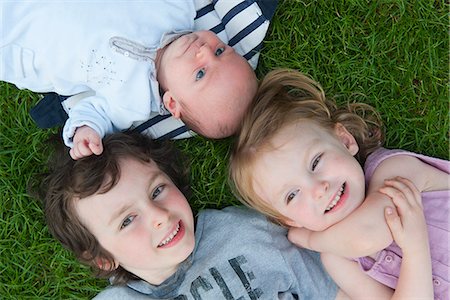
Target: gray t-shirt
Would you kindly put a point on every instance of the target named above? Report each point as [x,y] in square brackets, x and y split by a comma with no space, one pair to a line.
[238,255]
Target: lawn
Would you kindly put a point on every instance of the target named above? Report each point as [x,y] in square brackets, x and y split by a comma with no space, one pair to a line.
[391,54]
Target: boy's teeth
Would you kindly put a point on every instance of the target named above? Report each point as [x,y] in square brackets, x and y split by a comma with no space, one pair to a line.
[171,236]
[336,199]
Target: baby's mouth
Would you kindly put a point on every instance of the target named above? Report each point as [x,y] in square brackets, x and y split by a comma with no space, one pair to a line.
[336,199]
[171,236]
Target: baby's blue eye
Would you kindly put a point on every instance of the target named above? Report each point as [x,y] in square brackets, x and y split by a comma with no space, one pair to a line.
[126,222]
[200,74]
[219,51]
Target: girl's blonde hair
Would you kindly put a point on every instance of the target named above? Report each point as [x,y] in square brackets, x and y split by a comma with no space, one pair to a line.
[287,97]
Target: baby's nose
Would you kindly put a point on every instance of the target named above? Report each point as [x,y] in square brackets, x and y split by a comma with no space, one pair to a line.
[205,51]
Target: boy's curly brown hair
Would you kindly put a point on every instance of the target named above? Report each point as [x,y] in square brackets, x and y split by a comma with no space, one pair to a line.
[72,180]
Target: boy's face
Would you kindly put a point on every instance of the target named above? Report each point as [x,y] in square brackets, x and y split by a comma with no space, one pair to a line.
[311,176]
[206,80]
[144,221]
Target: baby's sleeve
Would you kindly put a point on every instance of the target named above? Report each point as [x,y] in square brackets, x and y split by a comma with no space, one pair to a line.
[90,111]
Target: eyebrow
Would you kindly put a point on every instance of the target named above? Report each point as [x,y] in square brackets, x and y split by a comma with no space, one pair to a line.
[307,154]
[119,212]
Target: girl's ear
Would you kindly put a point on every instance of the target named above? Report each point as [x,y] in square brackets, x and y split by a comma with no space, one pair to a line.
[346,138]
[172,105]
[290,223]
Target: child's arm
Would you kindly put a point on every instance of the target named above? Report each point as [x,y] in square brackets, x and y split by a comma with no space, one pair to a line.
[347,239]
[371,232]
[410,234]
[86,141]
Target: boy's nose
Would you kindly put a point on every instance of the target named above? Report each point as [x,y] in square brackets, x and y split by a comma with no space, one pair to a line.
[159,217]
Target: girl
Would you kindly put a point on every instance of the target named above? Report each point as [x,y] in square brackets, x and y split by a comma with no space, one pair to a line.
[298,160]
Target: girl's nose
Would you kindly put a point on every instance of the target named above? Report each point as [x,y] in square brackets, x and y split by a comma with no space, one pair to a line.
[320,189]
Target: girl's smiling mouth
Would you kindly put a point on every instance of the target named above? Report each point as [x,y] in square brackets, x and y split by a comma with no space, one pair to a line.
[338,199]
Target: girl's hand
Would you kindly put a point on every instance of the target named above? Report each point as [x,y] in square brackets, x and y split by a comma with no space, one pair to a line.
[409,230]
[86,141]
[407,222]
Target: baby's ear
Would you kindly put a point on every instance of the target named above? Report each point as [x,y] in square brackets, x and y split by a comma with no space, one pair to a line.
[172,105]
[347,139]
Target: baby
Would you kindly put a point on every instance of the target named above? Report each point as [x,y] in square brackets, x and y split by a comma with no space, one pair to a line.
[134,58]
[125,214]
[298,159]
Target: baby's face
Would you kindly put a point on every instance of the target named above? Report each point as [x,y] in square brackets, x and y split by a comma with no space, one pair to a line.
[144,221]
[207,80]
[311,176]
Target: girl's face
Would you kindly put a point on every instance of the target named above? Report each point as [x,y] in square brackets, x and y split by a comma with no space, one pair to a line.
[311,176]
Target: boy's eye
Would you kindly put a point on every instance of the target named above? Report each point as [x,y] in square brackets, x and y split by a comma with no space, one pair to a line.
[316,162]
[291,196]
[127,222]
[200,74]
[219,51]
[157,191]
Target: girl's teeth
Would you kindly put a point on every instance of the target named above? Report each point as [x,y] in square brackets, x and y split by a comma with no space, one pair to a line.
[336,199]
[171,236]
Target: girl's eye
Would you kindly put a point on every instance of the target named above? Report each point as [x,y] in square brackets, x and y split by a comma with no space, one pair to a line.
[157,191]
[219,51]
[291,196]
[200,74]
[127,222]
[316,162]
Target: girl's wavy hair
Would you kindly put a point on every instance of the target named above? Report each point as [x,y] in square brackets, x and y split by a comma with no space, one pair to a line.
[287,97]
[70,180]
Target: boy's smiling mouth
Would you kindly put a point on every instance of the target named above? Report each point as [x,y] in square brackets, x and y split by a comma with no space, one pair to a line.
[336,200]
[171,236]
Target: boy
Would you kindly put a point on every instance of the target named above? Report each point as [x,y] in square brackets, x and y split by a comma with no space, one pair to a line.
[117,53]
[124,213]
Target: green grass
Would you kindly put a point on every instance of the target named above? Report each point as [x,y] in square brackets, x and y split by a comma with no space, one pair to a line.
[391,54]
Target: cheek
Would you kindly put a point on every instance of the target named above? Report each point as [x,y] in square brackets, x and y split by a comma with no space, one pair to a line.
[297,213]
[179,202]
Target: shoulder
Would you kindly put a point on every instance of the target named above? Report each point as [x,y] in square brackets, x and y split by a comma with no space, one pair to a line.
[238,217]
[234,224]
[116,292]
[228,213]
[385,164]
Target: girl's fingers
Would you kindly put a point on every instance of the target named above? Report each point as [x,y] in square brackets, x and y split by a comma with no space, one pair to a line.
[403,188]
[417,195]
[398,197]
[394,223]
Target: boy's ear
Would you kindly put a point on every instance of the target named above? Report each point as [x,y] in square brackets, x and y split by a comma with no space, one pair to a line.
[104,264]
[347,139]
[172,105]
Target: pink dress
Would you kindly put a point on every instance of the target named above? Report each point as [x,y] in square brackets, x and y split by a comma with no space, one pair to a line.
[386,268]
